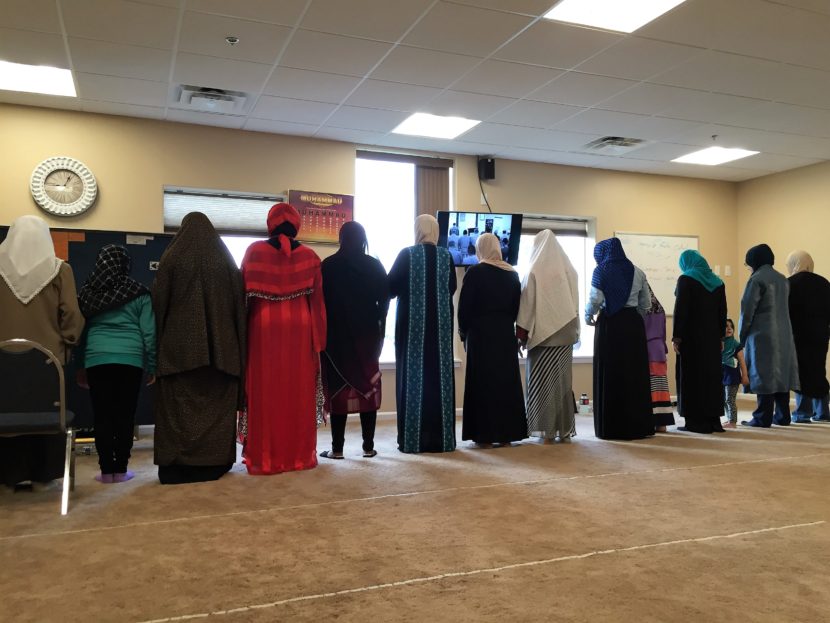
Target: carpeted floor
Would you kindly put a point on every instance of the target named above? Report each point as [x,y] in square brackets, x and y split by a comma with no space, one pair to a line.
[680,527]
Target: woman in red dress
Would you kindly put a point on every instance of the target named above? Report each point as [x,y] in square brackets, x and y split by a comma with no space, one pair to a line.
[286,333]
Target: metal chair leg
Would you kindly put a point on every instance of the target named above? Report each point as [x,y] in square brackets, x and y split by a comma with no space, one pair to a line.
[66,473]
[72,463]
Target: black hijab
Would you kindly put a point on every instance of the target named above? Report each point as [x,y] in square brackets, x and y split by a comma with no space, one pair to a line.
[759,255]
[109,285]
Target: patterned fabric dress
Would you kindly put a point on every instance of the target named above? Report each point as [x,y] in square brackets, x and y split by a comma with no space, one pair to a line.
[423,279]
[655,322]
[550,400]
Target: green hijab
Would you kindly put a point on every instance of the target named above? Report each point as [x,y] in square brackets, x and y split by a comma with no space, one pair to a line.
[694,265]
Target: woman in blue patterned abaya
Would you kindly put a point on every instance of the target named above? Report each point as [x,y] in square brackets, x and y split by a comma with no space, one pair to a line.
[423,280]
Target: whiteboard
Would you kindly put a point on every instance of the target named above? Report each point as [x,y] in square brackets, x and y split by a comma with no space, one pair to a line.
[657,256]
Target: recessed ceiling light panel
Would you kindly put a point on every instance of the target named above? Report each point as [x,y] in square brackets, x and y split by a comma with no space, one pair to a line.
[435,126]
[715,155]
[619,15]
[36,79]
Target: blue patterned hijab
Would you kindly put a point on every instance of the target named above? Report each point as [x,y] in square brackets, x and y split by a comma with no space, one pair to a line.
[694,265]
[613,275]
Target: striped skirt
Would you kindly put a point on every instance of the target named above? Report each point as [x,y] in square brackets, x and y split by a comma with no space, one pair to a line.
[661,406]
[550,402]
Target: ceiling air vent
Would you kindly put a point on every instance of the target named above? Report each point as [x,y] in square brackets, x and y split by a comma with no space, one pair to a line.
[614,145]
[207,99]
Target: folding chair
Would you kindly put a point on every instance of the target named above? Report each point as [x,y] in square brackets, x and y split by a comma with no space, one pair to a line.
[33,400]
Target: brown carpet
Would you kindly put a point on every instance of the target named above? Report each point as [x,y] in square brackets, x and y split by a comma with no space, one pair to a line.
[681,527]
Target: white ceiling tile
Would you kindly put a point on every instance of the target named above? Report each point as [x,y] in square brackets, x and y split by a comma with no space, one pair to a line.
[332,54]
[554,44]
[392,96]
[206,118]
[437,146]
[33,48]
[285,12]
[295,111]
[369,119]
[725,73]
[464,30]
[534,155]
[758,140]
[680,103]
[526,7]
[127,110]
[280,127]
[499,134]
[123,90]
[310,85]
[603,122]
[535,114]
[663,152]
[774,162]
[662,129]
[121,21]
[803,86]
[638,59]
[202,33]
[578,89]
[789,119]
[467,105]
[45,101]
[113,59]
[39,15]
[423,67]
[220,73]
[349,136]
[507,79]
[389,20]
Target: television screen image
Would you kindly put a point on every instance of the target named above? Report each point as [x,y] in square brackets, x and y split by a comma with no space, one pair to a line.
[460,230]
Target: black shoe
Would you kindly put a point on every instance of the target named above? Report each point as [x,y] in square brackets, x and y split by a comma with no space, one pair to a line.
[753,423]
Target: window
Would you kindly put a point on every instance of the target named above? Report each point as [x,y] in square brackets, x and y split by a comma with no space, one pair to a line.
[572,236]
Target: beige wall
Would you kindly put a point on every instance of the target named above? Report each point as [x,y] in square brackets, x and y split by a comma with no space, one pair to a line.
[134,158]
[787,211]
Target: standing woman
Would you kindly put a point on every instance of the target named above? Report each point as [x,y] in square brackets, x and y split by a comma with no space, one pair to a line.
[119,343]
[423,279]
[699,327]
[548,325]
[622,395]
[661,407]
[38,302]
[810,317]
[356,292]
[286,333]
[494,409]
[767,337]
[200,315]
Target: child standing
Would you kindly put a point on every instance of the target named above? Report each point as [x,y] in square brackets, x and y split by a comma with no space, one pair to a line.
[734,373]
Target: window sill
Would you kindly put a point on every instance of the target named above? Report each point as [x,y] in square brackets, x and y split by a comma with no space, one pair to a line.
[390,365]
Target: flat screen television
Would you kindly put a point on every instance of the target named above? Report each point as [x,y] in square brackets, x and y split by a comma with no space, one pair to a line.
[458,232]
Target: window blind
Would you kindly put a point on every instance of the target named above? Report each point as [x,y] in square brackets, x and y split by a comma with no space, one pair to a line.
[560,225]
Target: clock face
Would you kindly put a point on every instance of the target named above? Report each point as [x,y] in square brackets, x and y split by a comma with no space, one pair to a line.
[63,186]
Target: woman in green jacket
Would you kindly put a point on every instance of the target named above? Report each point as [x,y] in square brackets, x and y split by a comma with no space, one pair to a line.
[118,344]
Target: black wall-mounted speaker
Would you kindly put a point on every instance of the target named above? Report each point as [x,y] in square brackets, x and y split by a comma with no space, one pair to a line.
[486,168]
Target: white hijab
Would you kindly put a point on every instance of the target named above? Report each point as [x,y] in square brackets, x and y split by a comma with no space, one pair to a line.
[426,229]
[800,262]
[488,251]
[550,296]
[27,258]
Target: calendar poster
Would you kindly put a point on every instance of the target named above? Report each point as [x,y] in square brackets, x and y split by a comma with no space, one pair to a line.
[322,214]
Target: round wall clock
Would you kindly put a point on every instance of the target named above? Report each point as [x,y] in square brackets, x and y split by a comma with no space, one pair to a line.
[63,186]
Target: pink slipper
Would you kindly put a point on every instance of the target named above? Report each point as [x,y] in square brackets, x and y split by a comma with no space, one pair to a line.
[106,479]
[123,477]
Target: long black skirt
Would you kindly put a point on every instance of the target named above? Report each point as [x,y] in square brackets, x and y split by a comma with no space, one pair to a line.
[39,458]
[622,391]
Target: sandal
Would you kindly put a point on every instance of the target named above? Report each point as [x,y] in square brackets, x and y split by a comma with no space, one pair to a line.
[370,453]
[330,454]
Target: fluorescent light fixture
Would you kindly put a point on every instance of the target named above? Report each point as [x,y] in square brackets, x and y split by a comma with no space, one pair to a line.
[435,126]
[36,79]
[619,15]
[715,155]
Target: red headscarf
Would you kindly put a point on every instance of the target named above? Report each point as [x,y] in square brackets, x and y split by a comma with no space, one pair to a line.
[281,219]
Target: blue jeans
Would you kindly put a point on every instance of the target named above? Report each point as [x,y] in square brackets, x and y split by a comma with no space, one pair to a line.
[772,408]
[807,406]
